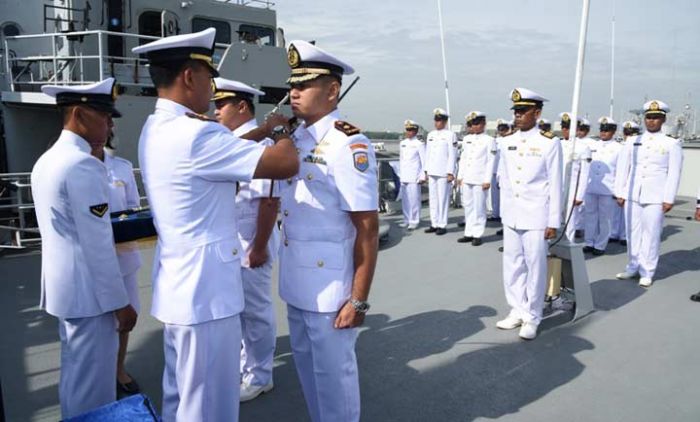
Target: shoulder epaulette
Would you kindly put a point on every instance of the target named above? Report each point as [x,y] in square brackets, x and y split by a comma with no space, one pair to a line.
[201,117]
[547,134]
[346,128]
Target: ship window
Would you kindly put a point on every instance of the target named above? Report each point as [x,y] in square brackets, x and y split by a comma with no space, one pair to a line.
[149,24]
[223,29]
[10,30]
[273,95]
[256,34]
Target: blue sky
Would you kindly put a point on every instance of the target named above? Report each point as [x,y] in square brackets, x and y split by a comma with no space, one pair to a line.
[493,46]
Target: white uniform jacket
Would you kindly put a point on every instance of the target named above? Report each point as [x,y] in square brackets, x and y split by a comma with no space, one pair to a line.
[576,160]
[337,175]
[123,195]
[440,153]
[477,159]
[248,203]
[411,160]
[601,177]
[80,274]
[649,169]
[530,170]
[190,168]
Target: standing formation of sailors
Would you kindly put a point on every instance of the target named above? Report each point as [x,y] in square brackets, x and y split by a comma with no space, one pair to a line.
[607,191]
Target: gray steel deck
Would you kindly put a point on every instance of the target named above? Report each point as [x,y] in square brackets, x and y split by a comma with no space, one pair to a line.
[429,349]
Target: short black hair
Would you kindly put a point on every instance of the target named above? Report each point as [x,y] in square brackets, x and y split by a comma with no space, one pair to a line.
[164,76]
[478,120]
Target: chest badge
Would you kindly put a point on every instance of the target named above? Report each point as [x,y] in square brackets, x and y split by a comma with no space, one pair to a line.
[360,160]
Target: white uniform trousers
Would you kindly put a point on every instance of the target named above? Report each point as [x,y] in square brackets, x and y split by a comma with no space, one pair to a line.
[326,365]
[618,230]
[644,226]
[411,203]
[200,381]
[439,199]
[598,217]
[495,197]
[88,363]
[525,272]
[257,326]
[474,204]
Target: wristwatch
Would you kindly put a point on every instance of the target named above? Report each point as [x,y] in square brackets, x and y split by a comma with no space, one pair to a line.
[278,131]
[360,305]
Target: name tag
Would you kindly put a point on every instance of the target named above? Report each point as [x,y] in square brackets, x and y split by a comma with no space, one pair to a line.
[637,144]
[469,142]
[513,148]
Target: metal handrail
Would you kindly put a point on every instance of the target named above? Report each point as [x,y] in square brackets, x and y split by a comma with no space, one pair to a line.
[60,61]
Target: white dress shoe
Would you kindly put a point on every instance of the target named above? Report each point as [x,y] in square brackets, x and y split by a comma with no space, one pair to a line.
[509,323]
[412,226]
[249,392]
[626,275]
[528,331]
[645,281]
[403,225]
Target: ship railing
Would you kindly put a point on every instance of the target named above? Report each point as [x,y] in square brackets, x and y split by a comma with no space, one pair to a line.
[251,3]
[79,57]
[18,226]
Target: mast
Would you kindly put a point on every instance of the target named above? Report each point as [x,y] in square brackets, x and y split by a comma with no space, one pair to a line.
[444,63]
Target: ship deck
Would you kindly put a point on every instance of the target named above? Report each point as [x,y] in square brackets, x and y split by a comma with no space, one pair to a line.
[429,349]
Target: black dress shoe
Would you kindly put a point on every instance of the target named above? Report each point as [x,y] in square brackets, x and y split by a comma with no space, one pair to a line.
[440,231]
[588,249]
[462,224]
[695,297]
[613,240]
[623,242]
[477,241]
[465,239]
[499,232]
[597,252]
[430,229]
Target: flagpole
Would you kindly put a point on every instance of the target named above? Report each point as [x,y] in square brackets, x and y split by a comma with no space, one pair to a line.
[444,63]
[612,65]
[583,31]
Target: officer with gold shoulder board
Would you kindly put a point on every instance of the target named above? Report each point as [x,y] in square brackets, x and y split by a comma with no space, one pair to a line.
[440,157]
[530,178]
[81,282]
[256,208]
[330,236]
[646,185]
[190,166]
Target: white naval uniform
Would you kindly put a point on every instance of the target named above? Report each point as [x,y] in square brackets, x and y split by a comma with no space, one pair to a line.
[337,175]
[495,190]
[190,168]
[475,168]
[411,172]
[80,279]
[439,162]
[258,316]
[600,200]
[576,165]
[124,195]
[530,175]
[649,174]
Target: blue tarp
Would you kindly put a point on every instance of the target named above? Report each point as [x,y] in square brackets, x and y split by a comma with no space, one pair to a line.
[137,408]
